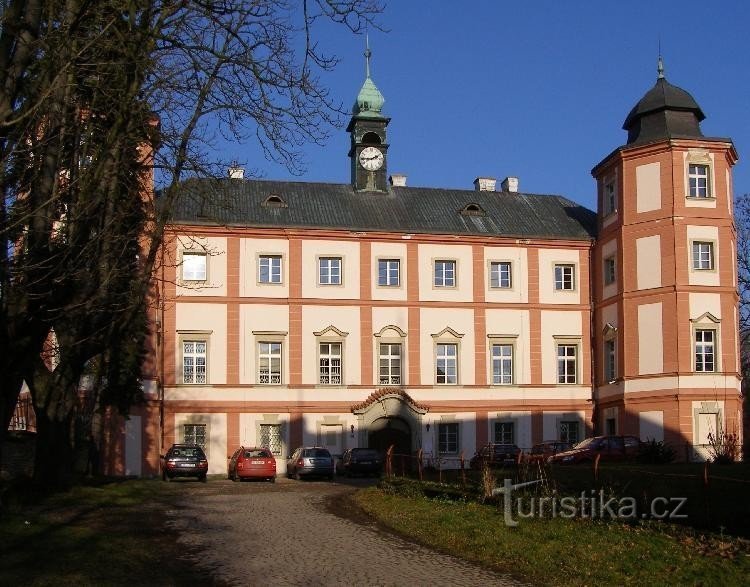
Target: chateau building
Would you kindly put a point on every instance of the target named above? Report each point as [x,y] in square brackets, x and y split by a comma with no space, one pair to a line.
[375,313]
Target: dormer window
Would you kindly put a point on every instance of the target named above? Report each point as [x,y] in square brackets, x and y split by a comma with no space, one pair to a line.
[274,201]
[472,210]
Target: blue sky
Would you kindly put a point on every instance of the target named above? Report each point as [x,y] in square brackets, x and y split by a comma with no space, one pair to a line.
[538,90]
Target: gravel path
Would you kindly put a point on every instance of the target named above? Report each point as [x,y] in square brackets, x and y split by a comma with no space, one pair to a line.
[287,534]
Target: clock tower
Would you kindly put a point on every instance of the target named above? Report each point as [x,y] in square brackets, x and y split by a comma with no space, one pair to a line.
[369,149]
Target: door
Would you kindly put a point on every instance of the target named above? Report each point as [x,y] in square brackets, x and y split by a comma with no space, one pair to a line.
[331,437]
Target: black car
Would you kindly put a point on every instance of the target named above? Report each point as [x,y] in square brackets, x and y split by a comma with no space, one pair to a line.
[185,460]
[360,461]
[310,461]
[495,455]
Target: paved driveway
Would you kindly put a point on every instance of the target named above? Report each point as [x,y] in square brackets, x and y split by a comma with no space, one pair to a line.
[298,533]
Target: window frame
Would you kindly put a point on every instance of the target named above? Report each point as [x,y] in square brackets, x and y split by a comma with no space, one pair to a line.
[445,431]
[196,336]
[269,356]
[609,196]
[610,270]
[329,258]
[196,425]
[560,285]
[499,424]
[501,359]
[275,425]
[571,345]
[388,261]
[390,358]
[270,256]
[330,357]
[496,264]
[693,178]
[698,260]
[193,254]
[713,343]
[446,357]
[562,423]
[610,360]
[444,284]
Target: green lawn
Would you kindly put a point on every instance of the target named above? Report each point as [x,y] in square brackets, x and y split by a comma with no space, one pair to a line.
[111,534]
[564,551]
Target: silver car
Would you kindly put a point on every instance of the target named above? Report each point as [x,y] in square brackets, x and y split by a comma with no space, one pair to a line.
[310,461]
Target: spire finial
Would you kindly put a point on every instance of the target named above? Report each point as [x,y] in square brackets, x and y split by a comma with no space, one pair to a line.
[660,64]
[368,54]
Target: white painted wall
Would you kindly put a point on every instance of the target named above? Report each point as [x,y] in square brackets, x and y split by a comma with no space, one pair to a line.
[250,251]
[648,187]
[650,339]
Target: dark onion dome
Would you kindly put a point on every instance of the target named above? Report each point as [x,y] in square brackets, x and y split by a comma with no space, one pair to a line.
[665,112]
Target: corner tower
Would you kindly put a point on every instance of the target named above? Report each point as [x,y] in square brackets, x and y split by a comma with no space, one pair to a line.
[665,277]
[369,148]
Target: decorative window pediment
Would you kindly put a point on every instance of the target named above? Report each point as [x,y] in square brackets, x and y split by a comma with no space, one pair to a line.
[331,330]
[390,330]
[706,318]
[447,332]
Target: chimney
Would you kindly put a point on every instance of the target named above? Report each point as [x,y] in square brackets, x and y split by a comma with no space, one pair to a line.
[397,180]
[485,184]
[510,184]
[235,171]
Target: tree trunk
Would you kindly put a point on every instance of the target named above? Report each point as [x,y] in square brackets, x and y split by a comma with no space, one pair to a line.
[53,463]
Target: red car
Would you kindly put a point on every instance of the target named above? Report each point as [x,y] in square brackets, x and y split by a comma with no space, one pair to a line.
[609,448]
[252,463]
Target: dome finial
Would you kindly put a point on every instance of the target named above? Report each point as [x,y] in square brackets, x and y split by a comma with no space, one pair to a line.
[369,100]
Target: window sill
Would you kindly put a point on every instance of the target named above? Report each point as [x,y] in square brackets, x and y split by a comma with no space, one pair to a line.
[701,198]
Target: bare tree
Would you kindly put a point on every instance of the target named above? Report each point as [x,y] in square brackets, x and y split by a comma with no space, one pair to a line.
[86,90]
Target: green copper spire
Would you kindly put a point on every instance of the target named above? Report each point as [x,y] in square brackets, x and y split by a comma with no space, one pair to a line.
[369,100]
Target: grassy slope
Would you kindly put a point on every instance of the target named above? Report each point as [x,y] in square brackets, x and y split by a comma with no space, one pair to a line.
[559,551]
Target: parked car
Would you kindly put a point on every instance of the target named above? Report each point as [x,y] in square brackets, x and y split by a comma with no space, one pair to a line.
[495,455]
[610,448]
[252,463]
[184,460]
[312,461]
[543,450]
[363,461]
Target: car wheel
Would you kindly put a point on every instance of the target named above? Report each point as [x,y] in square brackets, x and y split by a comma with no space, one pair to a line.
[330,477]
[297,476]
[165,477]
[202,479]
[272,479]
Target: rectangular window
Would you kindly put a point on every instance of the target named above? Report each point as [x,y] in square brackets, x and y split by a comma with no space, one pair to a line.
[609,360]
[610,200]
[193,266]
[609,270]
[566,363]
[330,363]
[698,180]
[389,272]
[390,364]
[502,364]
[703,255]
[448,438]
[194,434]
[269,269]
[194,361]
[270,438]
[269,363]
[705,350]
[329,270]
[565,277]
[570,431]
[504,433]
[445,274]
[500,274]
[446,365]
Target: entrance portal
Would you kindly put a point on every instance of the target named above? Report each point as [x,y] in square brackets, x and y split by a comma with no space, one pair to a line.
[388,431]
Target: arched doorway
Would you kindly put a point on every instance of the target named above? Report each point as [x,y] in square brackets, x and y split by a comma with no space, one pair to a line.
[388,431]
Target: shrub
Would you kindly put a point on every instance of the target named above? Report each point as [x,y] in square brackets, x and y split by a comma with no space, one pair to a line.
[656,452]
[724,447]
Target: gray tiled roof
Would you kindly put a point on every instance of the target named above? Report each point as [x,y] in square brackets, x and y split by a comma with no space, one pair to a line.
[236,202]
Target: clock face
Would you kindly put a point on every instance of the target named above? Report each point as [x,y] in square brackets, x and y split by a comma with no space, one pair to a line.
[371,158]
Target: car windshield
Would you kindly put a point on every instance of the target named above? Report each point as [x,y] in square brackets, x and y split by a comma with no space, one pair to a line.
[188,452]
[249,454]
[317,452]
